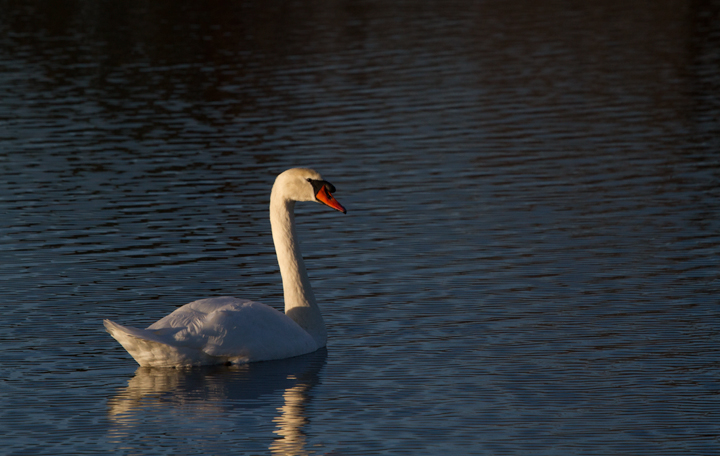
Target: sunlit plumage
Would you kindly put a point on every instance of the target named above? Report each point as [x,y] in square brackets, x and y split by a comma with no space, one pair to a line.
[231,330]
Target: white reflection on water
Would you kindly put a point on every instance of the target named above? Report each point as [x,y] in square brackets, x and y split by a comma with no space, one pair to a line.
[290,422]
[216,394]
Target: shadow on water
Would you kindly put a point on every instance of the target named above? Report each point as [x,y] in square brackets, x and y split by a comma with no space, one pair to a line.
[218,391]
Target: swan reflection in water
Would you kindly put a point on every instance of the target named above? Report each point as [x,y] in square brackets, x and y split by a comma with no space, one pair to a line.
[214,392]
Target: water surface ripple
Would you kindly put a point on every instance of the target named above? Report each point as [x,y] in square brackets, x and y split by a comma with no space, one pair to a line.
[529,264]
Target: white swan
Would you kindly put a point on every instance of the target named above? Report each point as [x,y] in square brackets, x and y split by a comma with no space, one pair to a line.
[230,330]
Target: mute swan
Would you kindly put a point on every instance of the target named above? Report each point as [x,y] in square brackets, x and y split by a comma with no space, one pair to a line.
[231,330]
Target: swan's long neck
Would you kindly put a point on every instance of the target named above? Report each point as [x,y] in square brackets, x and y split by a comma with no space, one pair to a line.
[300,302]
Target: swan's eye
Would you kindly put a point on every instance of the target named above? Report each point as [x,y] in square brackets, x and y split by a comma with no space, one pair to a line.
[317,185]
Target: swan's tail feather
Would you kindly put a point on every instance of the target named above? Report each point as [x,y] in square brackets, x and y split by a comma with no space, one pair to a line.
[149,350]
[115,329]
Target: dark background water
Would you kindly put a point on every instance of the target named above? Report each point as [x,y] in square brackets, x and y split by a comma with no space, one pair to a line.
[529,264]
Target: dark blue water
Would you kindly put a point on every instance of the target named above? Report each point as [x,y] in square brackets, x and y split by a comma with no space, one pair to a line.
[529,264]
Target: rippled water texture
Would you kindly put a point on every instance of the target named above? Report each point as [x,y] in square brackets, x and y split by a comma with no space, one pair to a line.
[529,264]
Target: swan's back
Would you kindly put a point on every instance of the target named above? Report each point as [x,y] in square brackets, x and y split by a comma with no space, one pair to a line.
[215,331]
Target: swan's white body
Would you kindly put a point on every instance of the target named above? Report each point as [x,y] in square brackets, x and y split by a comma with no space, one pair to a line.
[230,330]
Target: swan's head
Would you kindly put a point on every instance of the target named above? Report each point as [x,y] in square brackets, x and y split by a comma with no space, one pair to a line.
[302,184]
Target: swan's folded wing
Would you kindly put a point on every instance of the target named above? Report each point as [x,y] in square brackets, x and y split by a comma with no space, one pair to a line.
[250,331]
[190,313]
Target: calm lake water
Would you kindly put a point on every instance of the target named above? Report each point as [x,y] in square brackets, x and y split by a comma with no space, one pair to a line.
[529,264]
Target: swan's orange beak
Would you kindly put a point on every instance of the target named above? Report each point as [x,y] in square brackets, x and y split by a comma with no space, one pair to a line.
[325,197]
